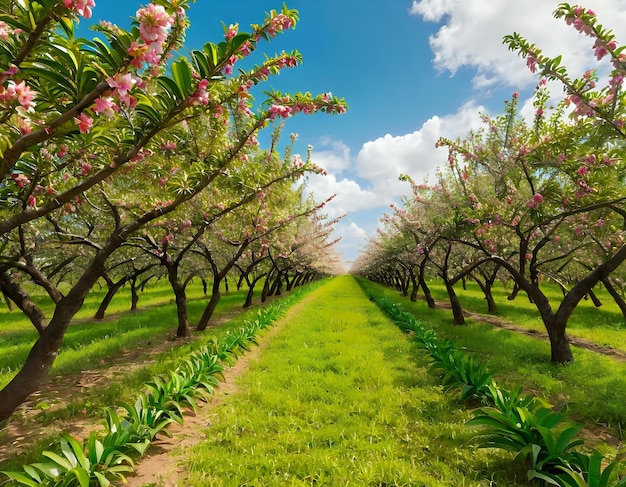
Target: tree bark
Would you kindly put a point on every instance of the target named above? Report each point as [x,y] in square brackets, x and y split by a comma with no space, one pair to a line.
[43,353]
[455,304]
[180,296]
[134,295]
[615,295]
[20,297]
[112,289]
[211,305]
[430,301]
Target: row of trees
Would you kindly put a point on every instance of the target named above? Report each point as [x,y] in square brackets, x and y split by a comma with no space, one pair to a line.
[525,202]
[118,156]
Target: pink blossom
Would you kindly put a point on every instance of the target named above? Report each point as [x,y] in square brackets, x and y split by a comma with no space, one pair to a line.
[556,239]
[154,23]
[246,48]
[280,111]
[200,96]
[32,202]
[105,106]
[24,94]
[600,222]
[582,170]
[535,201]
[122,82]
[81,7]
[84,123]
[232,31]
[6,30]
[20,179]
[85,168]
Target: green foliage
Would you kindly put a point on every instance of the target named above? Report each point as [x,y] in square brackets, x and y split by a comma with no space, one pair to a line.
[340,397]
[525,425]
[76,465]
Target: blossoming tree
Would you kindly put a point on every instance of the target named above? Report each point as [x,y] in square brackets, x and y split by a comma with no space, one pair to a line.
[84,119]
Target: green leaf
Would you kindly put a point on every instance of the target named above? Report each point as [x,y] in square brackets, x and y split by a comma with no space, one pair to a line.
[102,480]
[201,64]
[80,474]
[210,50]
[58,460]
[22,479]
[181,73]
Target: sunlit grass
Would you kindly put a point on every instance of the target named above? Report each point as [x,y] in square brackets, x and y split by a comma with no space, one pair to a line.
[590,390]
[123,386]
[603,326]
[90,344]
[340,397]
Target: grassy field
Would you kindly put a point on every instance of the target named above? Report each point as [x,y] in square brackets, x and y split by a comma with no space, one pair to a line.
[603,326]
[591,389]
[90,342]
[341,397]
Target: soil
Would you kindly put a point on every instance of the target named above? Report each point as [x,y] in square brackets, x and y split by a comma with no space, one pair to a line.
[577,342]
[159,467]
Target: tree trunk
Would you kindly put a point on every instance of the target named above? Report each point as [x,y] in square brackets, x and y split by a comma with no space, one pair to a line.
[457,309]
[134,295]
[595,299]
[180,296]
[250,295]
[211,305]
[615,295]
[415,285]
[20,297]
[425,289]
[43,353]
[486,287]
[112,289]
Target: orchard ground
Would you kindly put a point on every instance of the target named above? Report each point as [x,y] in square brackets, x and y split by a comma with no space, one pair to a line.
[337,309]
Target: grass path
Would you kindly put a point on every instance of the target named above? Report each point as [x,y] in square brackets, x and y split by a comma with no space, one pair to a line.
[338,397]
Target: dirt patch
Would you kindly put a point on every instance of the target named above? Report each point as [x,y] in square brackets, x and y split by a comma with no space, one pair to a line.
[27,426]
[542,335]
[160,467]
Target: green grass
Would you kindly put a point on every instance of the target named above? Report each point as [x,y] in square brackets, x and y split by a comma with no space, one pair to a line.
[90,344]
[340,397]
[604,326]
[591,389]
[126,332]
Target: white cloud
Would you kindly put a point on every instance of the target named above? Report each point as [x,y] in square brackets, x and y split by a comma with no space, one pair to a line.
[383,160]
[353,239]
[472,32]
[378,165]
[351,197]
[335,159]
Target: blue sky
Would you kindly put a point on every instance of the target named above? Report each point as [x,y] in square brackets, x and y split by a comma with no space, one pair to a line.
[411,71]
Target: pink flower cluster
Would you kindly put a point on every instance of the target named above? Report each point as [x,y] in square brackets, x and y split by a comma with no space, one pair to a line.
[278,24]
[154,26]
[18,92]
[579,22]
[200,96]
[535,201]
[122,84]
[81,7]
[601,49]
[6,30]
